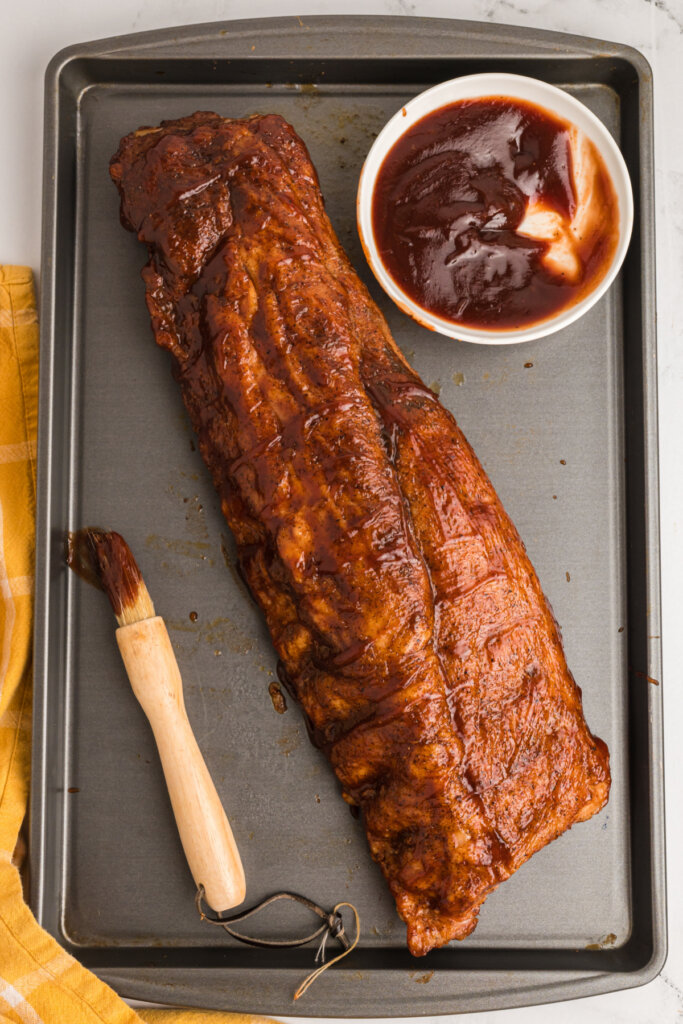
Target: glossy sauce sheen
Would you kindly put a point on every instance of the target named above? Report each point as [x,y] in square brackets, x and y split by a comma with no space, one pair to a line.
[449,200]
[104,560]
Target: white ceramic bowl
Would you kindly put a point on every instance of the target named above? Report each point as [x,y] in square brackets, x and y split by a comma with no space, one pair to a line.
[480,87]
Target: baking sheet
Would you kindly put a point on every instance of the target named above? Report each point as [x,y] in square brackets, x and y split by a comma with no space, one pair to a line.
[566,428]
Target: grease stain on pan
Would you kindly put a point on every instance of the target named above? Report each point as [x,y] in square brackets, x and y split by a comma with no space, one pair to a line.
[422,979]
[195,521]
[220,633]
[606,942]
[196,549]
[290,740]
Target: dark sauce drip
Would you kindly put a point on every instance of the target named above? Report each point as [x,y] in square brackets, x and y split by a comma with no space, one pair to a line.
[277,697]
[450,196]
[104,560]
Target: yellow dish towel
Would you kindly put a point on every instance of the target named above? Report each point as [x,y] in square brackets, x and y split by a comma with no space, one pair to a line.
[39,982]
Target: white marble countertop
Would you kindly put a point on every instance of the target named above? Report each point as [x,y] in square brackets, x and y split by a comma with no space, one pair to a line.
[32,31]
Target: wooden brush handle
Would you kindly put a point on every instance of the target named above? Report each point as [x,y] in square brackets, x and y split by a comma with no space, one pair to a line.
[204,829]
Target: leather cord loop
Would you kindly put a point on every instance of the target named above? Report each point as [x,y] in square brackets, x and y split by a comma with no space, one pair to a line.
[333,924]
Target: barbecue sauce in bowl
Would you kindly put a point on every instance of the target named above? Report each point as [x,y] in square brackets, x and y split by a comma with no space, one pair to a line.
[494,213]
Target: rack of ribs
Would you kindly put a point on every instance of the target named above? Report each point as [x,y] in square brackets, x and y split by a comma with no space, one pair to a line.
[408,620]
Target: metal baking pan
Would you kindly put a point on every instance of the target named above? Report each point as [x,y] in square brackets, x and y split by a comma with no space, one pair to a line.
[566,427]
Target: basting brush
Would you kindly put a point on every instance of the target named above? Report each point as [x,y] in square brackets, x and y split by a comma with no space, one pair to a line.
[104,559]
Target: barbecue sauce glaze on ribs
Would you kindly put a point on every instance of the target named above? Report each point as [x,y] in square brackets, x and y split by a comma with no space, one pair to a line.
[408,620]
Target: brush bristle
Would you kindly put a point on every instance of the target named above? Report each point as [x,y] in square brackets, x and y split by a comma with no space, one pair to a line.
[104,558]
[141,608]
